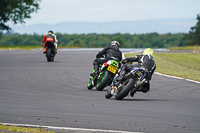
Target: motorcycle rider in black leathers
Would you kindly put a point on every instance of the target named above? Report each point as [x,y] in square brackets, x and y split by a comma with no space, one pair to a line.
[111,52]
[146,60]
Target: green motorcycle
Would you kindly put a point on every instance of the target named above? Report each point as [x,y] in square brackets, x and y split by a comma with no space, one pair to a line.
[105,77]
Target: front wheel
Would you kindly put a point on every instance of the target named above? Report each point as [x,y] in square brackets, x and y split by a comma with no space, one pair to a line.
[125,90]
[90,86]
[108,94]
[104,82]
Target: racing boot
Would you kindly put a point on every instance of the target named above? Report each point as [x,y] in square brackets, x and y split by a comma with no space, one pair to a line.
[145,88]
[45,50]
[132,93]
[96,72]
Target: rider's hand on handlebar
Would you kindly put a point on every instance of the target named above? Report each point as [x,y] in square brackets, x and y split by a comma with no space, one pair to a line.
[124,61]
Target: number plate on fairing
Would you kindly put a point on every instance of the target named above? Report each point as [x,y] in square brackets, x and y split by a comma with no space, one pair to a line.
[112,69]
[139,73]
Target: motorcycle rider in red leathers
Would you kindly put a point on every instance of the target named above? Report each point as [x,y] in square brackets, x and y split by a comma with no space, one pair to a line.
[50,36]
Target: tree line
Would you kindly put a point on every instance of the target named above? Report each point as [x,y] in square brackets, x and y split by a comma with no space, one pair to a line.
[152,40]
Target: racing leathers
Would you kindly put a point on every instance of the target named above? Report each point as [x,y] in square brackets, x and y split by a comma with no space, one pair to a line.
[111,52]
[146,61]
[50,37]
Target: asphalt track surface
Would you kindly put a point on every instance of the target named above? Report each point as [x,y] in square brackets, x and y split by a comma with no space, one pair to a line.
[34,91]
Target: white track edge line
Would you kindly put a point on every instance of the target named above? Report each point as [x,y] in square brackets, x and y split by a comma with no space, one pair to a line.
[67,128]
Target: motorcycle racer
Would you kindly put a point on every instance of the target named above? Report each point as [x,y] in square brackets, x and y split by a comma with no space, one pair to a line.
[50,36]
[111,52]
[146,60]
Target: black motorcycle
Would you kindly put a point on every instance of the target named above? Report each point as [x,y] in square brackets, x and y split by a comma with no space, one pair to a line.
[130,84]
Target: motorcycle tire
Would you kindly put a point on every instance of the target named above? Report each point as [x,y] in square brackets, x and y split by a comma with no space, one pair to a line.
[104,81]
[108,95]
[90,86]
[48,55]
[124,92]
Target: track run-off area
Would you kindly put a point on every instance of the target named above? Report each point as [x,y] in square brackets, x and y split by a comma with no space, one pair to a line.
[54,94]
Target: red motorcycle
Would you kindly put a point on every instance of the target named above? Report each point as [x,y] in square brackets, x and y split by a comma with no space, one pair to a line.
[50,52]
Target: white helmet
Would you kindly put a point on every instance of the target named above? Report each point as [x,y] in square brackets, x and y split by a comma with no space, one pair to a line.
[114,43]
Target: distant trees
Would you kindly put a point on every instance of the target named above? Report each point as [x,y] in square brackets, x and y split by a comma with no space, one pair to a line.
[193,37]
[16,11]
[152,40]
[21,40]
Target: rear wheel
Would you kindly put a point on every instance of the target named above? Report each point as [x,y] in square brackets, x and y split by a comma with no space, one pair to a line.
[48,55]
[124,92]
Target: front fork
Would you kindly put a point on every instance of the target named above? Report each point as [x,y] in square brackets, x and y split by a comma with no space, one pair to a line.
[95,79]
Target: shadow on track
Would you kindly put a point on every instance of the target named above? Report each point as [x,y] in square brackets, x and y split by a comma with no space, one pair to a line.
[140,99]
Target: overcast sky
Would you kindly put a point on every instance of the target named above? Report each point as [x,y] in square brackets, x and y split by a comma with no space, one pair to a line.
[57,11]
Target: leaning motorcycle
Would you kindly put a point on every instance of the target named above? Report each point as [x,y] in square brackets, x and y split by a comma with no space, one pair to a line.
[50,52]
[105,77]
[130,84]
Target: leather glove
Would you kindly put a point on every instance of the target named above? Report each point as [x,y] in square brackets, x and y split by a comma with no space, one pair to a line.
[97,55]
[124,61]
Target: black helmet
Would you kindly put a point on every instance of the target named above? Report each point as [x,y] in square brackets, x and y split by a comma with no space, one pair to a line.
[51,31]
[114,43]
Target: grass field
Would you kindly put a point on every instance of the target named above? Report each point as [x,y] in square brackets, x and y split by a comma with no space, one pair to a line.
[28,47]
[186,48]
[20,47]
[23,129]
[185,65]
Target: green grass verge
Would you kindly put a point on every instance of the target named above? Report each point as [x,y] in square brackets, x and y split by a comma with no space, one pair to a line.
[186,48]
[23,129]
[28,47]
[185,65]
[19,47]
